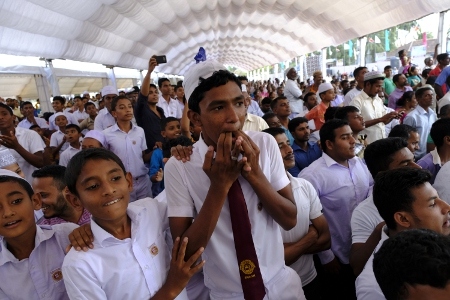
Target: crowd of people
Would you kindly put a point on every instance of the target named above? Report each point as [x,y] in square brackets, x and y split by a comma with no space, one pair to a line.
[219,187]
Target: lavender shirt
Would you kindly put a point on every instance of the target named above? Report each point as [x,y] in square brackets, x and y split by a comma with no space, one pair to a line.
[395,95]
[340,190]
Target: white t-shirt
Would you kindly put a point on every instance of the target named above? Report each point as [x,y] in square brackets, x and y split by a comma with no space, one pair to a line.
[365,218]
[56,139]
[132,268]
[32,142]
[67,154]
[308,208]
[350,95]
[187,186]
[171,109]
[292,92]
[103,120]
[441,183]
[366,284]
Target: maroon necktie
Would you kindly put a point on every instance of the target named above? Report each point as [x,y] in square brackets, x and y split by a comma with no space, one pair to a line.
[251,279]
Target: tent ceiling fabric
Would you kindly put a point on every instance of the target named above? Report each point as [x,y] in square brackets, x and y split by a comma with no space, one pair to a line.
[246,33]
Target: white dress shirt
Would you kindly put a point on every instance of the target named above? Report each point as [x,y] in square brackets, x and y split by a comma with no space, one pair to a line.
[56,139]
[104,120]
[32,142]
[308,208]
[254,123]
[70,120]
[80,115]
[350,95]
[441,183]
[422,120]
[365,218]
[371,108]
[67,154]
[367,287]
[171,108]
[254,109]
[187,186]
[39,276]
[132,268]
[292,93]
[27,124]
[128,147]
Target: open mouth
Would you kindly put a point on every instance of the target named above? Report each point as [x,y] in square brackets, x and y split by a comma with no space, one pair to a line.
[112,202]
[44,208]
[12,223]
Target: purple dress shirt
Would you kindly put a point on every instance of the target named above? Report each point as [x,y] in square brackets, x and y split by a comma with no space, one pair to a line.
[395,95]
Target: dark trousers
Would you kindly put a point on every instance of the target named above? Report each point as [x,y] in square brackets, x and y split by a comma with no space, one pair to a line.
[313,290]
[336,286]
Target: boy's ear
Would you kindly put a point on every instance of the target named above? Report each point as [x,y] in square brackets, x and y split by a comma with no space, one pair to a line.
[113,113]
[36,200]
[194,117]
[129,179]
[163,133]
[73,200]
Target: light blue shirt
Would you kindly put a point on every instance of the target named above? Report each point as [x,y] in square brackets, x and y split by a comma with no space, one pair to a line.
[340,190]
[39,276]
[128,146]
[440,80]
[422,120]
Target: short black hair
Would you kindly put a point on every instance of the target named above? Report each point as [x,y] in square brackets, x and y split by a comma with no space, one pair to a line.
[295,122]
[444,111]
[9,109]
[62,100]
[439,130]
[330,113]
[425,73]
[274,131]
[266,100]
[268,116]
[404,98]
[392,191]
[409,258]
[396,77]
[432,79]
[74,126]
[161,81]
[401,52]
[77,97]
[327,131]
[34,126]
[421,91]
[25,103]
[441,57]
[379,154]
[153,86]
[87,104]
[56,172]
[177,87]
[22,182]
[165,121]
[242,78]
[275,101]
[307,95]
[78,161]
[116,99]
[402,131]
[217,79]
[342,112]
[387,67]
[357,70]
[181,140]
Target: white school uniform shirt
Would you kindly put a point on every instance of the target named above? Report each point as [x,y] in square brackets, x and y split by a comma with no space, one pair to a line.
[128,147]
[80,114]
[350,95]
[67,154]
[441,183]
[27,124]
[132,268]
[171,109]
[104,120]
[366,284]
[38,277]
[292,92]
[308,208]
[56,139]
[254,123]
[187,186]
[364,219]
[32,142]
[70,120]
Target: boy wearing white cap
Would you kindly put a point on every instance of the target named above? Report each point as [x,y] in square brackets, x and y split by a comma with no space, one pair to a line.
[317,114]
[104,118]
[238,201]
[58,106]
[93,139]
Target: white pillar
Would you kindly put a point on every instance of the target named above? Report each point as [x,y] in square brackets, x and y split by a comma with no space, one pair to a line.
[442,35]
[301,71]
[141,76]
[111,76]
[51,77]
[362,50]
[324,62]
[43,92]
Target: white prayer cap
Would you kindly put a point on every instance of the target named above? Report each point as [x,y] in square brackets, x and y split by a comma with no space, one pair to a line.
[374,75]
[60,114]
[203,69]
[107,90]
[323,87]
[4,172]
[85,92]
[6,158]
[96,135]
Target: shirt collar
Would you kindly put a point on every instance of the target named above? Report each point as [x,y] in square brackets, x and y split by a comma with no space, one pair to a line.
[105,239]
[421,110]
[329,161]
[115,127]
[73,148]
[41,235]
[436,157]
[297,147]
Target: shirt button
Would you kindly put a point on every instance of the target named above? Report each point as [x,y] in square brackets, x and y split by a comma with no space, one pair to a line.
[146,267]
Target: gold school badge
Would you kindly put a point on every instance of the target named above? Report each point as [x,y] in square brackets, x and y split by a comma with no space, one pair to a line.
[247,267]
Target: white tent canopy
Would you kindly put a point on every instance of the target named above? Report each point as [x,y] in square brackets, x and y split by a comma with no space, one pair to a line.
[247,34]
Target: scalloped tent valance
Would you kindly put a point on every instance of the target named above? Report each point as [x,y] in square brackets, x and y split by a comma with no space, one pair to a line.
[248,34]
